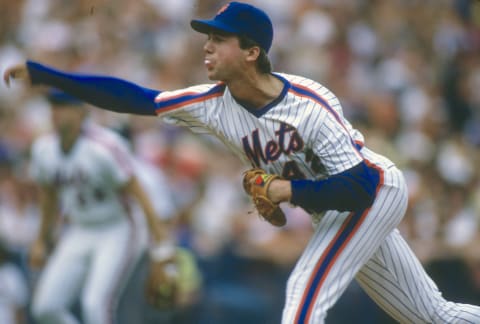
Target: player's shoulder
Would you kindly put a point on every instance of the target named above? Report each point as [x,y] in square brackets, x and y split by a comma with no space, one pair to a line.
[300,85]
[199,91]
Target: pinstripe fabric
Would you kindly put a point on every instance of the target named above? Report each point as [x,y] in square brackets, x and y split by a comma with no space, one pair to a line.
[376,224]
[304,135]
[308,109]
[404,290]
[387,269]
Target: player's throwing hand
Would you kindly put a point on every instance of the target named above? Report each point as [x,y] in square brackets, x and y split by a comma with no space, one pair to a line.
[16,72]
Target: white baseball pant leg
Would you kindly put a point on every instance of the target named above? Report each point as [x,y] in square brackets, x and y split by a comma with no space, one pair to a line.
[94,261]
[61,280]
[395,279]
[112,263]
[341,244]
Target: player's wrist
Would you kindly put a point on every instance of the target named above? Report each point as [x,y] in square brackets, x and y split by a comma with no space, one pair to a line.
[279,191]
[162,251]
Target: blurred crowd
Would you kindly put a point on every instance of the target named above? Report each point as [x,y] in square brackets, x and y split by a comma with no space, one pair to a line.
[407,73]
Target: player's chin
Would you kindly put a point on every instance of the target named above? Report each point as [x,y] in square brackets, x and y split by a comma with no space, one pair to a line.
[212,76]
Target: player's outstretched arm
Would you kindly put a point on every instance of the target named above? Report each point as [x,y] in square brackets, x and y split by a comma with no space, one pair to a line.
[105,92]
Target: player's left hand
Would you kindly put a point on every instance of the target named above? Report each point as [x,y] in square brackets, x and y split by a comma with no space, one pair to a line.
[175,282]
[17,72]
[256,183]
[161,284]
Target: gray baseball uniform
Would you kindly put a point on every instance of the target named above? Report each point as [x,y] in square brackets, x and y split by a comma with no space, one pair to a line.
[97,250]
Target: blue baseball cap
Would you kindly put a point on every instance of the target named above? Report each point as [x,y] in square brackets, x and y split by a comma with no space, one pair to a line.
[240,19]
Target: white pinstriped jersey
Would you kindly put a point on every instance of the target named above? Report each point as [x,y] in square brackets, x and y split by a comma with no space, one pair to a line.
[87,177]
[302,134]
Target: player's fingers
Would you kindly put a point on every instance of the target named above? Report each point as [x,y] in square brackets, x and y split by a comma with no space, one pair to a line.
[18,72]
[11,73]
[6,77]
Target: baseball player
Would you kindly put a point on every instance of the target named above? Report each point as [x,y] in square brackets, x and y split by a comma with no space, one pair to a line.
[87,172]
[293,127]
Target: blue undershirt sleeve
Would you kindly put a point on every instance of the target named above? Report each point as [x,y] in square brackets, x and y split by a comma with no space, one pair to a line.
[351,190]
[102,91]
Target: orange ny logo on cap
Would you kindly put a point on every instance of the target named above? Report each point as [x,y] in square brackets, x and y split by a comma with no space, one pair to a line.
[222,9]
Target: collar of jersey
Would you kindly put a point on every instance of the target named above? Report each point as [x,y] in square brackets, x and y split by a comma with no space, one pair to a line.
[260,112]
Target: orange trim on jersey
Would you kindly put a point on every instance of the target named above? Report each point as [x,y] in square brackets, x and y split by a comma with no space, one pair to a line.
[186,102]
[188,93]
[380,173]
[360,143]
[188,97]
[311,301]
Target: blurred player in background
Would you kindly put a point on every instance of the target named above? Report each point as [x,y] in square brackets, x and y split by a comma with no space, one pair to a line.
[293,127]
[85,173]
[182,306]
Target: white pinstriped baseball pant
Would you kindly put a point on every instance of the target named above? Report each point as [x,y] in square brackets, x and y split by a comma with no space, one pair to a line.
[368,247]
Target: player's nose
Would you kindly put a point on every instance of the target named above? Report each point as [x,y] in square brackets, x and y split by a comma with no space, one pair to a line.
[208,46]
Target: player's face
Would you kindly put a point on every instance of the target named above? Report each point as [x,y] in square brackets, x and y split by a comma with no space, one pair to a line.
[67,120]
[224,58]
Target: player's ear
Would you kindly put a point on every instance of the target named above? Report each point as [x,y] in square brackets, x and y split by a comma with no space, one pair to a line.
[253,53]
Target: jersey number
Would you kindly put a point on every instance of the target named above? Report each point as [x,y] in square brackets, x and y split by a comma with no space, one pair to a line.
[291,170]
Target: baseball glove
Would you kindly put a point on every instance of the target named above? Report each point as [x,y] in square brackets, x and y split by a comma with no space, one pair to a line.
[175,282]
[161,284]
[256,182]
